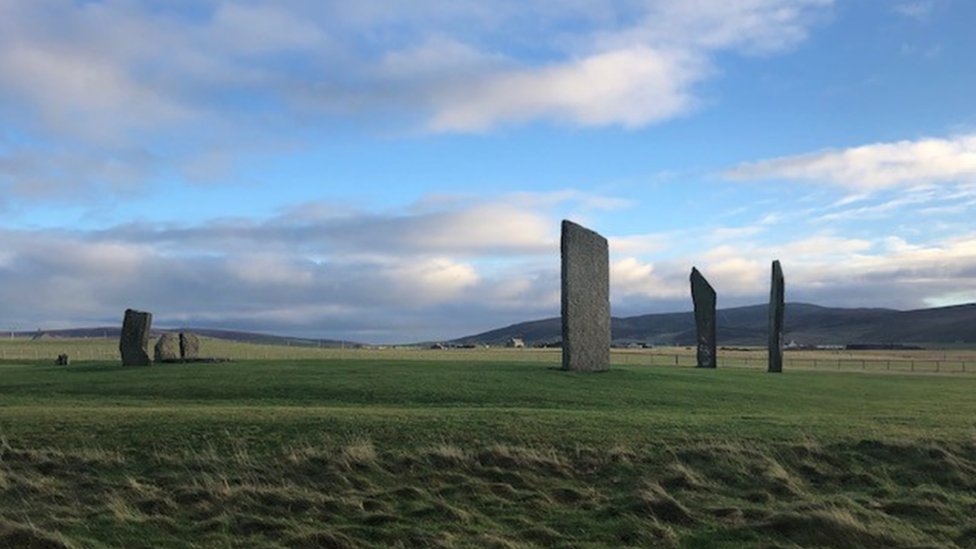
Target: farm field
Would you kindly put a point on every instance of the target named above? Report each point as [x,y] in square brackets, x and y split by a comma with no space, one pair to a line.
[931,360]
[481,453]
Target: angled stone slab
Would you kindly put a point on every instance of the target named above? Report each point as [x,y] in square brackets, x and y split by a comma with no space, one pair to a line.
[134,339]
[189,346]
[777,293]
[585,299]
[167,348]
[703,296]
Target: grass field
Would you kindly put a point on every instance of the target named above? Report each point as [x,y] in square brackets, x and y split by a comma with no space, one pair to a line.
[377,452]
[934,360]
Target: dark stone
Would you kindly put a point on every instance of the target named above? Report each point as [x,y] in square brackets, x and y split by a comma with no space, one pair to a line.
[777,294]
[703,296]
[62,360]
[134,339]
[585,299]
[167,348]
[189,345]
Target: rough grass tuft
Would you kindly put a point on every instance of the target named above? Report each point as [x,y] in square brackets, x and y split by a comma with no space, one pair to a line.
[20,536]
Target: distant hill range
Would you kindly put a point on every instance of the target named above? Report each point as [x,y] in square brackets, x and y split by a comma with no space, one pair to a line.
[244,337]
[805,324]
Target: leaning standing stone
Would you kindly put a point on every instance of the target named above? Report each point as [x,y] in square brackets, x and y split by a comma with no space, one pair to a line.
[703,296]
[585,299]
[134,339]
[167,348]
[776,307]
[189,345]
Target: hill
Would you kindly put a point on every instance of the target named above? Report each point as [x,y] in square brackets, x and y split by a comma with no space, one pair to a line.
[112,332]
[804,323]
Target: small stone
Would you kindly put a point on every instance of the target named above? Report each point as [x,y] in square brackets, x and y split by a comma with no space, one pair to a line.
[134,338]
[585,299]
[777,294]
[189,346]
[167,348]
[703,296]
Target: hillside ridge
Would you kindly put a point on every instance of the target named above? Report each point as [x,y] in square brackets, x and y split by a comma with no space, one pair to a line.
[805,323]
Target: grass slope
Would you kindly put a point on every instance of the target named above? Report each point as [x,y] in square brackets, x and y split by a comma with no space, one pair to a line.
[462,454]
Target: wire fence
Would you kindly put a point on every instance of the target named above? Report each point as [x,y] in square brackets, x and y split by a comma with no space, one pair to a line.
[930,361]
[949,365]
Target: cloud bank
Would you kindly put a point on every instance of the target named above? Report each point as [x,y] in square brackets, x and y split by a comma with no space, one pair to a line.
[438,269]
[875,166]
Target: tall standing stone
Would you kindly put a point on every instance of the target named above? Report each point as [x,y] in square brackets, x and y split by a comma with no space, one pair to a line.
[189,346]
[703,296]
[777,294]
[134,339]
[167,348]
[585,299]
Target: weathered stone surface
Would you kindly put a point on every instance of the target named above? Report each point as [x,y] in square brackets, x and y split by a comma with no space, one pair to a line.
[585,299]
[167,348]
[777,294]
[134,339]
[189,345]
[703,296]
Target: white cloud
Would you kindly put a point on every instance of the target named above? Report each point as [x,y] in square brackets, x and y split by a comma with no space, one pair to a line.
[632,278]
[916,9]
[433,280]
[631,87]
[85,95]
[873,167]
[639,244]
[258,29]
[752,26]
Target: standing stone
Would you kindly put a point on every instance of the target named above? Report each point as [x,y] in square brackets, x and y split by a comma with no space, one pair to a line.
[777,295]
[134,339]
[703,296]
[167,348]
[189,345]
[585,299]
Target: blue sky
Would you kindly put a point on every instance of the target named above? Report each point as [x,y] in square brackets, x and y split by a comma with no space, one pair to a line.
[396,171]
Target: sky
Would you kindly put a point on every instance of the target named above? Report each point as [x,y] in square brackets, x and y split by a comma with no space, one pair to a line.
[396,171]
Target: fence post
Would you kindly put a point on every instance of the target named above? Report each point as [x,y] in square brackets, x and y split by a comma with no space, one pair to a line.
[676,360]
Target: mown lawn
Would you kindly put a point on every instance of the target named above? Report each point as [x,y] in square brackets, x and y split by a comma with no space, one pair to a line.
[471,454]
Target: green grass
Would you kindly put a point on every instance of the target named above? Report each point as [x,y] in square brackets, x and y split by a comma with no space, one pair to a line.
[334,453]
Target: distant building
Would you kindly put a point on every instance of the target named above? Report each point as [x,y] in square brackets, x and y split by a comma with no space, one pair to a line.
[515,343]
